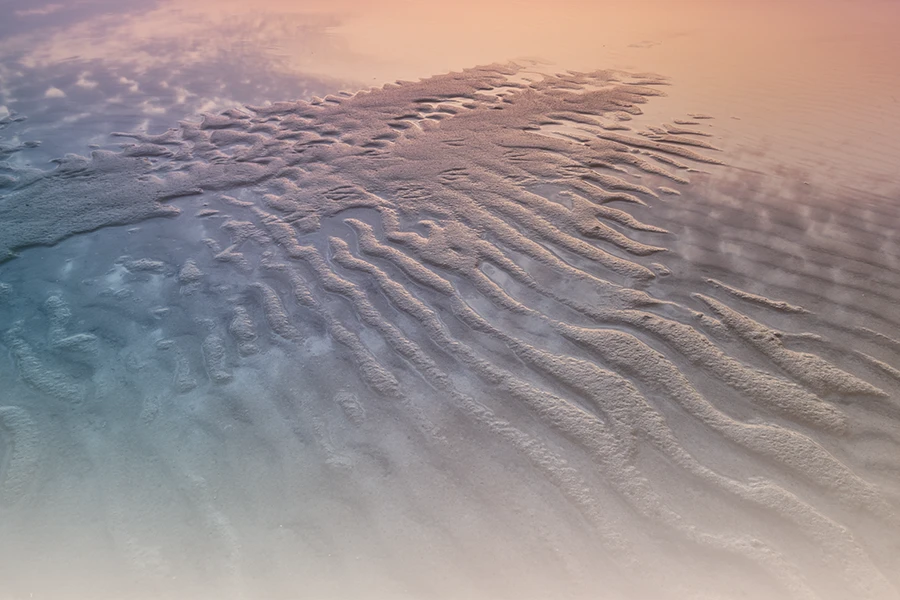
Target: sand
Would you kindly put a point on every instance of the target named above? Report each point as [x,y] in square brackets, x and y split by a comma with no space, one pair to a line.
[474,336]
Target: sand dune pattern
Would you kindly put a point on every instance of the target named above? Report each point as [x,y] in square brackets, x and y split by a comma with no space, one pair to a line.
[477,224]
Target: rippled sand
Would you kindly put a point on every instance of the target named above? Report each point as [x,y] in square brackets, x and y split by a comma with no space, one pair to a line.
[486,335]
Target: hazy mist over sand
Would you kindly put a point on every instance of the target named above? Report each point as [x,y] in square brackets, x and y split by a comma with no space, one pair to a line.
[307,299]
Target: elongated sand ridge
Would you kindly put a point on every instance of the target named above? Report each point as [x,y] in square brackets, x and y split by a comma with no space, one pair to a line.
[475,336]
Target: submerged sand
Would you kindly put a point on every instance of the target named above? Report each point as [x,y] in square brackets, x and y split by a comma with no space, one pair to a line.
[485,335]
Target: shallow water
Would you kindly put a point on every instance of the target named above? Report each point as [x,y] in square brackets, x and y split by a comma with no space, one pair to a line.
[323,300]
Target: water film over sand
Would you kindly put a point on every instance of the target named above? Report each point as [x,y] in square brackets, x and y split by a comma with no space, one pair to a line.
[490,334]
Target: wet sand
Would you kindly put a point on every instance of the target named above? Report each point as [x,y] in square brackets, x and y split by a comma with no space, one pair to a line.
[525,330]
[490,334]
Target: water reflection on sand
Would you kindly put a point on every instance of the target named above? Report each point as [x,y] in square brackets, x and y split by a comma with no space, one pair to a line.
[493,334]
